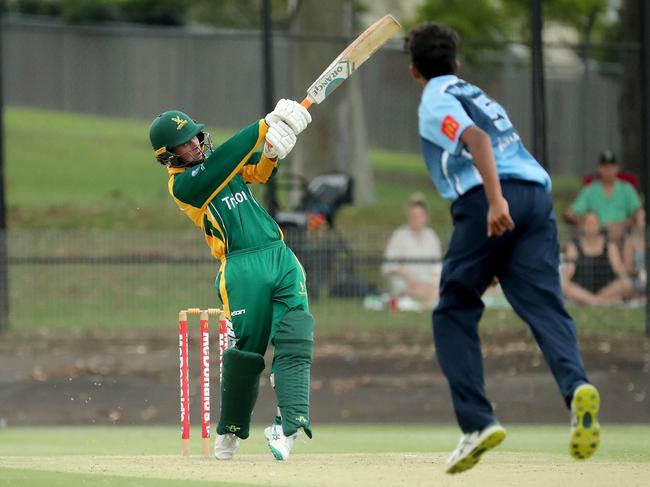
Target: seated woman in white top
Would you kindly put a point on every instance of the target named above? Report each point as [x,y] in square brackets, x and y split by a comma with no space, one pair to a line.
[415,242]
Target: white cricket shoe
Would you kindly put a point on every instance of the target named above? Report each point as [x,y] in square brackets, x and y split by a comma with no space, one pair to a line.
[279,444]
[472,446]
[225,446]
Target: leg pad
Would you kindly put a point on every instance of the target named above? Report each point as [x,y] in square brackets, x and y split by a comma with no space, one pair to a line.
[239,388]
[294,343]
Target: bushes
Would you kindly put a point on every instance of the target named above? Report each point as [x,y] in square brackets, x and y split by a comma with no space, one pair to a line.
[156,12]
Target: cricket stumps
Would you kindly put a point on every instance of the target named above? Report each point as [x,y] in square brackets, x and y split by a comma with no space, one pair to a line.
[183,345]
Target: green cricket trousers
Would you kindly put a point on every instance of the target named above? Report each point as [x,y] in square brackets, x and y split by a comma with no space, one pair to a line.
[264,294]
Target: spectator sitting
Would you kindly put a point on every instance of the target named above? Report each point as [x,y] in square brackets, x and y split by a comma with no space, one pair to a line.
[594,273]
[614,201]
[625,176]
[634,254]
[414,241]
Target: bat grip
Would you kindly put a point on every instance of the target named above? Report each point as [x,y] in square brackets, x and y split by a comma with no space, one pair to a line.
[306,102]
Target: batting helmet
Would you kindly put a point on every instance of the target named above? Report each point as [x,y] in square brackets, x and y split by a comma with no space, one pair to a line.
[171,129]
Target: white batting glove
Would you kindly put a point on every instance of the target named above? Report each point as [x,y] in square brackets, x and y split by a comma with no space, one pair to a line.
[290,112]
[279,141]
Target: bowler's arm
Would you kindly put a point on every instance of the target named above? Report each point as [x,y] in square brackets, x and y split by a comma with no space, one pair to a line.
[480,146]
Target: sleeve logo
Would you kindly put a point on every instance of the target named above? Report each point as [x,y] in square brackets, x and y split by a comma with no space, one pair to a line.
[450,127]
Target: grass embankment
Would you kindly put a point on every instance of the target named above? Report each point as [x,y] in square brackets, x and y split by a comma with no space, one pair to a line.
[81,171]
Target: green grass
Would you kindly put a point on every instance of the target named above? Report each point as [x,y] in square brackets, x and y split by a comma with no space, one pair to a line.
[339,455]
[56,159]
[133,297]
[620,442]
[85,171]
[99,172]
[19,477]
[351,313]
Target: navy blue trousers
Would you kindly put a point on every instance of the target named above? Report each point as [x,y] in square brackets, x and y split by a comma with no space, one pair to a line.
[526,261]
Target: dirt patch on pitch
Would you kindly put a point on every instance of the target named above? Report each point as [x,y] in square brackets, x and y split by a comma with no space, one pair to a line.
[132,378]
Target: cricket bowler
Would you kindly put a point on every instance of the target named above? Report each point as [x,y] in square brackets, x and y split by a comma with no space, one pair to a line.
[504,227]
[260,281]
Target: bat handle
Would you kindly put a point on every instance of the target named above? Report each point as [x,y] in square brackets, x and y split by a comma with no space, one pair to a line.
[306,102]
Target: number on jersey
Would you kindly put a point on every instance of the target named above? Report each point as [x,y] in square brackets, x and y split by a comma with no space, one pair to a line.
[493,110]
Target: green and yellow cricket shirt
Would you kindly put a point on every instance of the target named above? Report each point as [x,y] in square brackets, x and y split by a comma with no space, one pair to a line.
[216,197]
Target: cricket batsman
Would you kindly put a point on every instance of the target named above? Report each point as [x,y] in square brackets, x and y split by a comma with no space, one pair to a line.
[504,227]
[260,281]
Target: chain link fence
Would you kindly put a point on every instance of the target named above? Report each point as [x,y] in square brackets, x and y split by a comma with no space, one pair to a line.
[94,279]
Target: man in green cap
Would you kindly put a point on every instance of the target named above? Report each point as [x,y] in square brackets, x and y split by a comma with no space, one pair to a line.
[260,282]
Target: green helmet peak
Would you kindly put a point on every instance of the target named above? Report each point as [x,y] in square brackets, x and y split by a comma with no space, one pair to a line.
[171,129]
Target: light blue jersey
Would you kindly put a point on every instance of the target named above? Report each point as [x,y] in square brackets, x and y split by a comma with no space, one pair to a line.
[448,106]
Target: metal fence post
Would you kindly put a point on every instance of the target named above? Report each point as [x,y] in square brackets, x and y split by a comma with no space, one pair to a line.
[271,197]
[645,106]
[4,280]
[539,96]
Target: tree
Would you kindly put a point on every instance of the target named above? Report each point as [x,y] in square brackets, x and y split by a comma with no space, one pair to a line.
[161,12]
[34,7]
[582,15]
[239,14]
[468,18]
[491,22]
[157,12]
[336,138]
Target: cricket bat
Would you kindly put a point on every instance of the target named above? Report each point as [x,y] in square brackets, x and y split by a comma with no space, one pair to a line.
[353,56]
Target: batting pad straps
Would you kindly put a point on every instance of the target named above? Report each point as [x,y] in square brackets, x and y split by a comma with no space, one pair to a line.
[293,342]
[239,388]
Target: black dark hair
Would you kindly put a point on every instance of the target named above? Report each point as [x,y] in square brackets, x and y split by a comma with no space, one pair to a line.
[432,48]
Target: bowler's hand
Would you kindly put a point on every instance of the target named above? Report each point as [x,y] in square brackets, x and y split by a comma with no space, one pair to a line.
[498,218]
